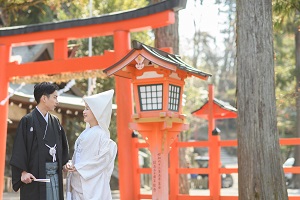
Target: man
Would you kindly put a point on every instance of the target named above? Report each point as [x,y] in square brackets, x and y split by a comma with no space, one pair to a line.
[40,149]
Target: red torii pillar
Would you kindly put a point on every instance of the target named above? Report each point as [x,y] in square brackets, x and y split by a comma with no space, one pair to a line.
[4,59]
[212,111]
[124,89]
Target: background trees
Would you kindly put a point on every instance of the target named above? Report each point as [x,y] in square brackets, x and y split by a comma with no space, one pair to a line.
[286,21]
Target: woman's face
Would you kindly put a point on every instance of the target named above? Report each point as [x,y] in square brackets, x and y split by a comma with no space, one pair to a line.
[88,116]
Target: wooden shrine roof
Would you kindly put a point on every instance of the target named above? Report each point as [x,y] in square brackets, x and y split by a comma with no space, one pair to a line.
[221,110]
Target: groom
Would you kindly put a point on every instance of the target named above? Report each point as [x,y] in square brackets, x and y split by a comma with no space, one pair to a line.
[40,149]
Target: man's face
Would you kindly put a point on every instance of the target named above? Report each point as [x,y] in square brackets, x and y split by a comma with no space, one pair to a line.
[51,102]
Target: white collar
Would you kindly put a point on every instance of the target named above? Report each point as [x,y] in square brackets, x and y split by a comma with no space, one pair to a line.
[45,117]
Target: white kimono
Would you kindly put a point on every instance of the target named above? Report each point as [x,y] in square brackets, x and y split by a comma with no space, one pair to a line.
[93,159]
[94,155]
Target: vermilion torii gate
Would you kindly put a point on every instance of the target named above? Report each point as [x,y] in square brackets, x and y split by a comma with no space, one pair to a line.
[119,26]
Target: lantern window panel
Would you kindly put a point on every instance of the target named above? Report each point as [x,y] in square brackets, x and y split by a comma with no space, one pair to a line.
[143,89]
[174,97]
[144,107]
[150,97]
[143,95]
[149,88]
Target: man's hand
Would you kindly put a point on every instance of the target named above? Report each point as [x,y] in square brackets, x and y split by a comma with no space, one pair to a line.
[27,177]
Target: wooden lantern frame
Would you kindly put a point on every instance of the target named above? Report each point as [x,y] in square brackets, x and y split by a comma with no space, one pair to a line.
[168,68]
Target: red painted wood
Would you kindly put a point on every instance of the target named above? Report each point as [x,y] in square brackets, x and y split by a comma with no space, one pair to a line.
[4,51]
[173,171]
[135,166]
[61,65]
[133,25]
[124,113]
[60,49]
[214,150]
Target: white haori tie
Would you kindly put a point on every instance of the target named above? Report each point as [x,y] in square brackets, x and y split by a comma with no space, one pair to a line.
[52,152]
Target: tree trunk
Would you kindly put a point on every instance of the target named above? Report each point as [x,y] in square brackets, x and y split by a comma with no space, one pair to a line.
[169,37]
[260,168]
[296,177]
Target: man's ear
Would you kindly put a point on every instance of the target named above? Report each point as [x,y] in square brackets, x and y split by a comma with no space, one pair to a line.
[44,98]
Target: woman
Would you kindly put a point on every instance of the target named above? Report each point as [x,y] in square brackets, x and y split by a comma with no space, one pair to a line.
[94,153]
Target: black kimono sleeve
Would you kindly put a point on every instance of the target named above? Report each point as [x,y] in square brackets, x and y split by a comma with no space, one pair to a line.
[65,147]
[64,143]
[19,158]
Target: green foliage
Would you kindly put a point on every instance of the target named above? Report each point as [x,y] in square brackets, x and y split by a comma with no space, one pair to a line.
[80,8]
[285,83]
[286,14]
[285,18]
[21,12]
[284,49]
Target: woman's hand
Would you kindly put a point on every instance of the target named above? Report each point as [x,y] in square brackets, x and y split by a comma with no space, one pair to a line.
[70,167]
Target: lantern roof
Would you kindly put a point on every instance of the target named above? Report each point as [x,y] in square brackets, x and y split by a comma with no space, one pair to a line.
[221,110]
[155,57]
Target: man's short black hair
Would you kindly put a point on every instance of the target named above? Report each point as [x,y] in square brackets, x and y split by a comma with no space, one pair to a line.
[44,88]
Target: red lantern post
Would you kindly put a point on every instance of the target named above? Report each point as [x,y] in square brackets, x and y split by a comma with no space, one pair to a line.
[158,82]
